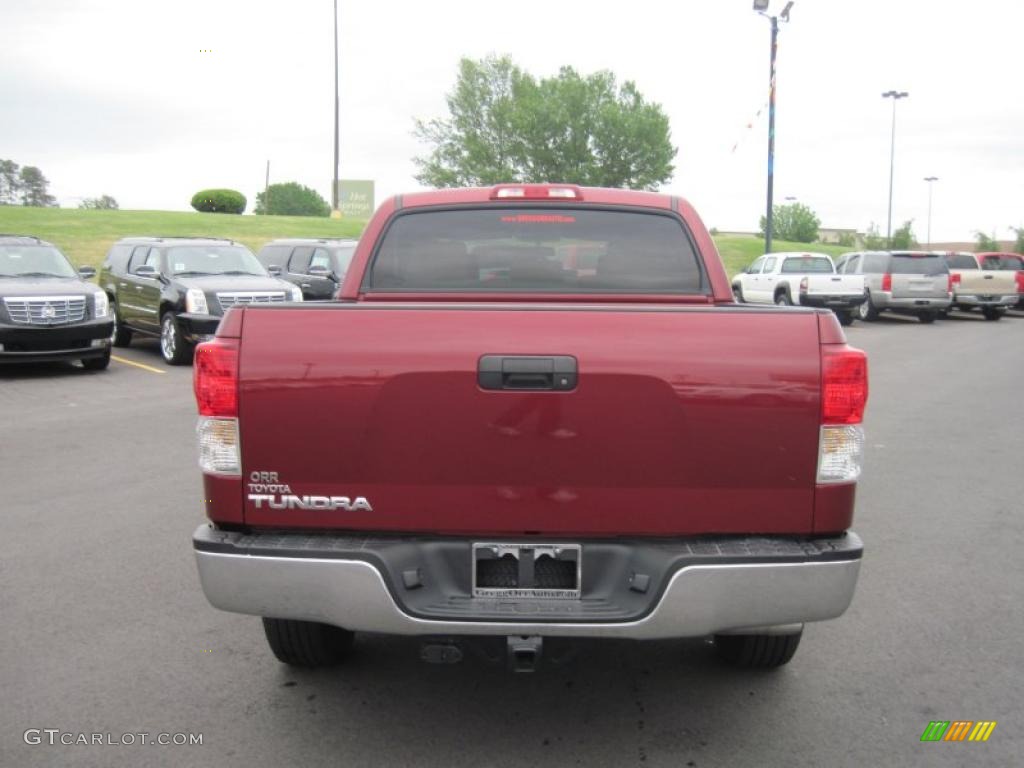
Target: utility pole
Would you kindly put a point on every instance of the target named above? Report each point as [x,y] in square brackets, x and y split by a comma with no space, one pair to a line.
[334,186]
[266,191]
[930,179]
[895,96]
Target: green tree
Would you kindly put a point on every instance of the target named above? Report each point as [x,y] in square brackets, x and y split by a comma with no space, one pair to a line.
[10,182]
[873,241]
[506,126]
[102,203]
[291,199]
[35,188]
[984,242]
[794,222]
[903,238]
[1018,247]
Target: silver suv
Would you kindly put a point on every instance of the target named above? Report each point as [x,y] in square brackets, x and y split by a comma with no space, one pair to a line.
[904,282]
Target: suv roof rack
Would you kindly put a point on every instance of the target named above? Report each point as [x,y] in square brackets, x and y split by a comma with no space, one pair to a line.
[161,238]
[24,237]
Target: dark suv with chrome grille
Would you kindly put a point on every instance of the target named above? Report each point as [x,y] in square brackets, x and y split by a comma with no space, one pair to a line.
[47,309]
[177,289]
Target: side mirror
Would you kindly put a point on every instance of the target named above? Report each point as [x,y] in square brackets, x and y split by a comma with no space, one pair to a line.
[274,270]
[146,270]
[86,272]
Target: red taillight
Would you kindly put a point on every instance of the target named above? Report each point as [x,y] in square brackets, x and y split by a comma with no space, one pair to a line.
[536,192]
[803,285]
[844,384]
[215,377]
[1020,281]
[954,279]
[887,282]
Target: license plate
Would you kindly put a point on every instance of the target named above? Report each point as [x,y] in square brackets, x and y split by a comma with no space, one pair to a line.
[527,570]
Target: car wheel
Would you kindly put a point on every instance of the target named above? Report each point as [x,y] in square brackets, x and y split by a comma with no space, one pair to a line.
[307,643]
[845,317]
[757,651]
[991,313]
[120,336]
[175,350]
[737,293]
[97,363]
[867,310]
[927,317]
[782,299]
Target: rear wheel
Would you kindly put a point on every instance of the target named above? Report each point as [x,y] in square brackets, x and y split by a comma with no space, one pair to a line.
[867,310]
[927,317]
[845,317]
[175,350]
[307,643]
[782,299]
[991,313]
[737,293]
[757,651]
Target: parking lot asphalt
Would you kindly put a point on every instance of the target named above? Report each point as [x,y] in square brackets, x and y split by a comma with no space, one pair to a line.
[105,629]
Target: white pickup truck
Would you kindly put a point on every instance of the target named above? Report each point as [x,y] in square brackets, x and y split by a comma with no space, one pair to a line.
[985,283]
[808,279]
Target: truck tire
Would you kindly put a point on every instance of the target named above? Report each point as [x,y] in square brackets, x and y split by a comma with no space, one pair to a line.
[121,336]
[97,363]
[175,350]
[307,643]
[845,317]
[991,313]
[757,651]
[867,310]
[737,293]
[783,299]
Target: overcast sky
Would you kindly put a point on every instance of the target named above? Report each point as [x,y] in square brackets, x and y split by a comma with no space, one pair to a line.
[119,97]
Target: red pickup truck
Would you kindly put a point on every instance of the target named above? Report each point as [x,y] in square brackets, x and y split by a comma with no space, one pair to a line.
[535,411]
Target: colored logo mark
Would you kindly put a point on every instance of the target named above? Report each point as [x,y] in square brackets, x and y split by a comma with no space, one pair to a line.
[958,730]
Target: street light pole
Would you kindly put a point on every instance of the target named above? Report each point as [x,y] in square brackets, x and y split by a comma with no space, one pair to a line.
[334,186]
[761,6]
[895,96]
[930,179]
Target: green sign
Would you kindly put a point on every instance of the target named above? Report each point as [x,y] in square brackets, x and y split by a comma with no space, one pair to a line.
[355,198]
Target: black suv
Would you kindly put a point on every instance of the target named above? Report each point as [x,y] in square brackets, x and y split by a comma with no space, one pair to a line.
[317,266]
[177,288]
[47,310]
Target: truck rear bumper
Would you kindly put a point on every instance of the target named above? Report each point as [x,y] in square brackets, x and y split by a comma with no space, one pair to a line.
[832,302]
[696,587]
[985,300]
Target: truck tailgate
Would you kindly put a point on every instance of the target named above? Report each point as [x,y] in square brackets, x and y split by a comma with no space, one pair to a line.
[986,282]
[682,420]
[835,285]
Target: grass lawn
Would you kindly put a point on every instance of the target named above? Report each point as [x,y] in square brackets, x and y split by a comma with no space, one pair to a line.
[85,236]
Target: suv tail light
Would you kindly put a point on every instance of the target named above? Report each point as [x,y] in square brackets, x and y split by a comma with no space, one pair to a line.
[803,285]
[887,282]
[215,381]
[844,394]
[954,279]
[1020,281]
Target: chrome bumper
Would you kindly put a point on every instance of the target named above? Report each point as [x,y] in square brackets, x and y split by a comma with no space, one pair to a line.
[985,300]
[698,600]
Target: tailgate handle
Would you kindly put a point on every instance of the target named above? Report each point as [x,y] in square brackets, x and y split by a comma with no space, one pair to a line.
[527,372]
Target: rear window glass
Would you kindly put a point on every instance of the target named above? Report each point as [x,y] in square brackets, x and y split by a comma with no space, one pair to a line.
[509,250]
[1002,262]
[799,264]
[925,264]
[961,261]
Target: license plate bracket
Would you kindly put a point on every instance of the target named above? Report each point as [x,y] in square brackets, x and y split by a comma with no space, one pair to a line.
[533,570]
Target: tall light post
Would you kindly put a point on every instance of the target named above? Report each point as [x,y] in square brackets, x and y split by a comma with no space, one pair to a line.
[930,179]
[761,6]
[895,96]
[334,186]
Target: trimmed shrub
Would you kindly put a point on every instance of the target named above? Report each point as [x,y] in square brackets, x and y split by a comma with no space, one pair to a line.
[218,201]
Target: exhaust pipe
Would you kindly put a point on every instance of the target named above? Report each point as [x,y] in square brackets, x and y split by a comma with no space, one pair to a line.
[524,652]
